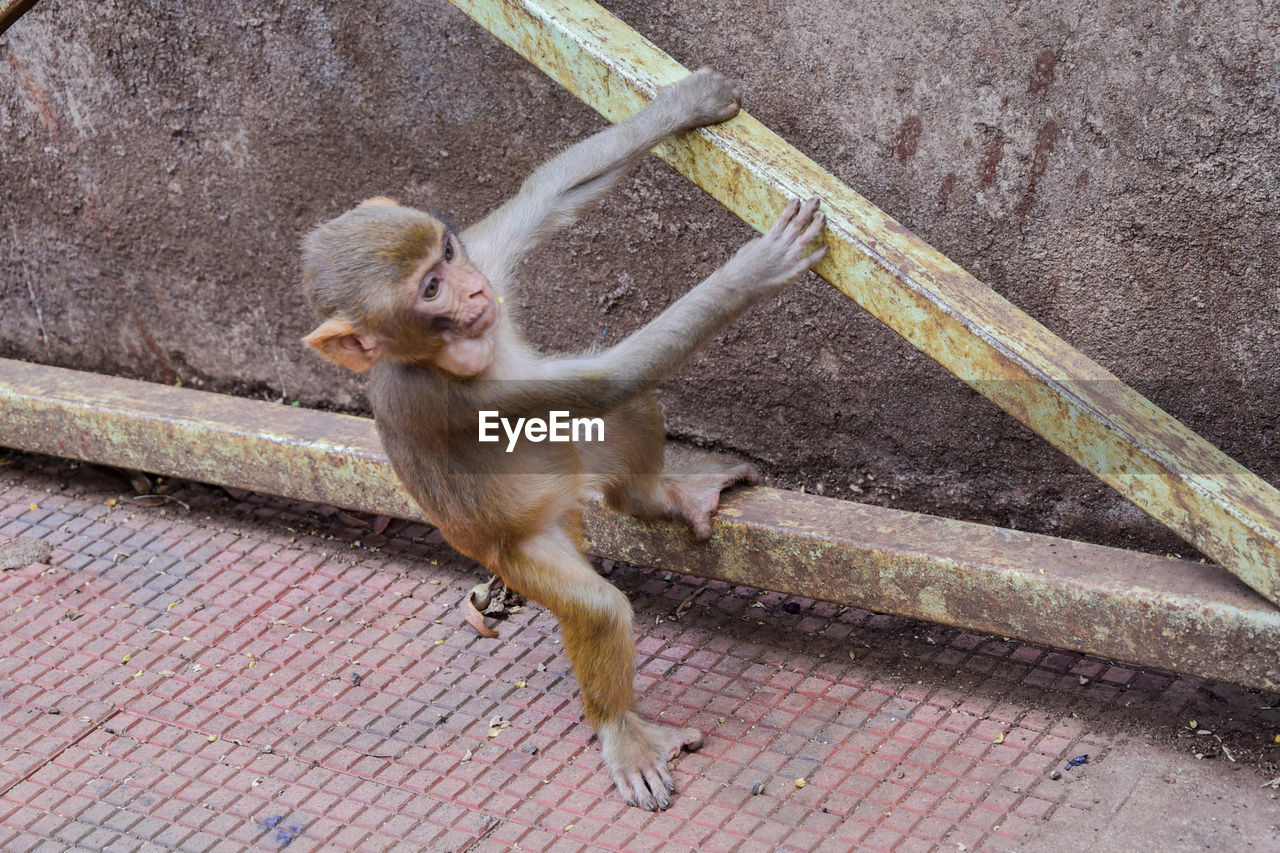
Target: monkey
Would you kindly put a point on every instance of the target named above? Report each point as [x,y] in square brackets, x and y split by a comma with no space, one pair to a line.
[419,305]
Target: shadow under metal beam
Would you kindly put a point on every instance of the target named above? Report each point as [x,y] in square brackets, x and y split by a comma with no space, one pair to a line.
[1149,610]
[1150,458]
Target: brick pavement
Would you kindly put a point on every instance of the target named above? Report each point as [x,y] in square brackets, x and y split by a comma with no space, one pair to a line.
[201,671]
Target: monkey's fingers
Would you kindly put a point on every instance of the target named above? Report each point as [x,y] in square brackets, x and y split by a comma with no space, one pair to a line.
[816,225]
[732,108]
[795,218]
[784,218]
[812,259]
[806,215]
[813,232]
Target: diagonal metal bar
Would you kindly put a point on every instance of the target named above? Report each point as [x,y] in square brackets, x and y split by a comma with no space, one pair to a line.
[12,10]
[1154,461]
[1149,610]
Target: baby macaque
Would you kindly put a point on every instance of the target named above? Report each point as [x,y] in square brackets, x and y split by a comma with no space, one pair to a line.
[402,294]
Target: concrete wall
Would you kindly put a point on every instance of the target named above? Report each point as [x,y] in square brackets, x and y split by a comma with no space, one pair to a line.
[1113,169]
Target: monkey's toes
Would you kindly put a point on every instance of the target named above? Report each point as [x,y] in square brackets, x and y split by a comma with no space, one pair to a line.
[650,785]
[686,739]
[647,787]
[638,758]
[698,496]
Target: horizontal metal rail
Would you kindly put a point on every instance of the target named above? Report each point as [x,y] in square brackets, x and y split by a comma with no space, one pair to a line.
[1152,611]
[1154,461]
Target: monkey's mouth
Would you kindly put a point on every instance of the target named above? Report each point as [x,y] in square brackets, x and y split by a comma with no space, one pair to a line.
[479,324]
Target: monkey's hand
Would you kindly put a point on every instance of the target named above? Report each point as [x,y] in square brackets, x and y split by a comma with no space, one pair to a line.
[768,264]
[704,97]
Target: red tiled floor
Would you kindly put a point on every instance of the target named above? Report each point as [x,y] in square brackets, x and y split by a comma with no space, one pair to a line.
[224,673]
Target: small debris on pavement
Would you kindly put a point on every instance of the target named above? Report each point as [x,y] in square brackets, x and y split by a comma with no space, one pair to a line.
[1055,775]
[491,598]
[1077,761]
[157,500]
[140,482]
[284,836]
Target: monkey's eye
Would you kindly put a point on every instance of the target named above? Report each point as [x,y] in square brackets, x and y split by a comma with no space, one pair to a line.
[448,248]
[431,287]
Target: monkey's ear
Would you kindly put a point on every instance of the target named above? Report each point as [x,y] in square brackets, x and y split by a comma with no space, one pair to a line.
[346,345]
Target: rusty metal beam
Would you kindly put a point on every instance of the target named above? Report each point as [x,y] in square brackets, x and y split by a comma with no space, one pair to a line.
[12,10]
[1149,457]
[1148,610]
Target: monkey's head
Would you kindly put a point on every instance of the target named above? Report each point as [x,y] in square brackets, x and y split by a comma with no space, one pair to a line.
[393,282]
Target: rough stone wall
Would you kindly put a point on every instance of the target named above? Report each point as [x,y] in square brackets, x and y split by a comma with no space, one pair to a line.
[1111,168]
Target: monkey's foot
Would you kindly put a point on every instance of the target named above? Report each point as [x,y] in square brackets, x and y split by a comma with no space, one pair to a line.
[637,754]
[697,495]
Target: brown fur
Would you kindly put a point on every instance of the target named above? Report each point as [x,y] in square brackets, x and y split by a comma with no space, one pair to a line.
[437,361]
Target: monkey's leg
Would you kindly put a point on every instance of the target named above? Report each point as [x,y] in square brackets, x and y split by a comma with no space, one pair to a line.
[595,620]
[635,481]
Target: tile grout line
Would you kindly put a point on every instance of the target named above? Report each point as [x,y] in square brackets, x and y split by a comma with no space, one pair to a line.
[49,759]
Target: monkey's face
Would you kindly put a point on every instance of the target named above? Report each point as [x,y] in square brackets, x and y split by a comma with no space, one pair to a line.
[455,303]
[396,283]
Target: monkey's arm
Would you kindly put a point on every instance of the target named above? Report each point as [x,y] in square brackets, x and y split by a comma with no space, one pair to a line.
[591,385]
[561,189]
